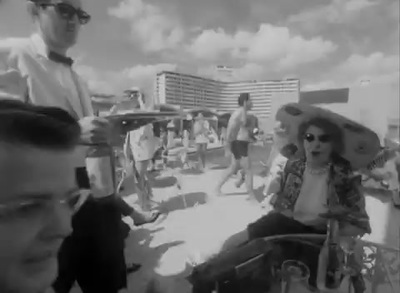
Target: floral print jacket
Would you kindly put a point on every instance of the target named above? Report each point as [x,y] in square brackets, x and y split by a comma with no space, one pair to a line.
[344,191]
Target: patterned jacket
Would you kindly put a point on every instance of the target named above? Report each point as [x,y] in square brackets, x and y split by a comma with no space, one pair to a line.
[344,191]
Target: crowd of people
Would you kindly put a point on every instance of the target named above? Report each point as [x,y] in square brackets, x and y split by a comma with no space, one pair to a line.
[56,230]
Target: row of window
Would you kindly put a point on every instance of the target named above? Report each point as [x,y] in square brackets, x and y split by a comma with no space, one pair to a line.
[262,106]
[191,92]
[233,88]
[197,80]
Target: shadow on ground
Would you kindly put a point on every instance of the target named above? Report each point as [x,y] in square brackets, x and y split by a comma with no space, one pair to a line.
[191,172]
[164,182]
[141,248]
[149,256]
[259,193]
[178,202]
[219,167]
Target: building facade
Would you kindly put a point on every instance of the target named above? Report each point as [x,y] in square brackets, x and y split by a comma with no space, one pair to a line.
[374,105]
[191,91]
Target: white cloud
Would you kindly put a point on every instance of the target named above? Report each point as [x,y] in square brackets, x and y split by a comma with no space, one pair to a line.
[337,11]
[115,82]
[319,86]
[143,76]
[150,28]
[270,45]
[156,31]
[376,67]
[98,81]
[10,42]
[211,45]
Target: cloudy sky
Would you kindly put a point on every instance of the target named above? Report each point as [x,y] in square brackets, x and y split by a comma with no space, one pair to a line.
[325,43]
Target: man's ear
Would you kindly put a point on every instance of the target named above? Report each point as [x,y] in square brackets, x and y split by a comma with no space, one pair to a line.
[33,9]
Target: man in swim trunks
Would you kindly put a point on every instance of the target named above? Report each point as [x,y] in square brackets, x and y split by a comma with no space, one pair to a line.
[238,139]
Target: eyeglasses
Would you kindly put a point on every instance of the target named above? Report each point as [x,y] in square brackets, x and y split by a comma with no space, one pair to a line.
[36,207]
[67,12]
[324,138]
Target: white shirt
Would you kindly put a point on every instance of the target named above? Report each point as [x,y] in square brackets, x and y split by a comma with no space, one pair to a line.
[313,198]
[186,140]
[143,143]
[204,126]
[48,83]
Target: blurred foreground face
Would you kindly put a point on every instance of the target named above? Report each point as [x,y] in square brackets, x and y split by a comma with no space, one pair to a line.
[37,190]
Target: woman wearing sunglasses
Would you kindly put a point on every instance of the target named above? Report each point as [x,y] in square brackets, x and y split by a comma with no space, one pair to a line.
[321,181]
[317,181]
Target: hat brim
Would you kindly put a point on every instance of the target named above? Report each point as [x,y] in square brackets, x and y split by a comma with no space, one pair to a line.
[361,144]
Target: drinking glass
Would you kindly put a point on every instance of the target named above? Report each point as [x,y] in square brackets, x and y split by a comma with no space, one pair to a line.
[295,275]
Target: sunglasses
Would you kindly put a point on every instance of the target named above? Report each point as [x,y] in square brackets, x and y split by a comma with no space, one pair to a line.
[67,12]
[324,138]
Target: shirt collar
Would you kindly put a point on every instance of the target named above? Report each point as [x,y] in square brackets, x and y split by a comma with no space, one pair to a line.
[41,48]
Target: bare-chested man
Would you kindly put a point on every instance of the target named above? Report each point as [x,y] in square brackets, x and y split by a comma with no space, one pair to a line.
[238,139]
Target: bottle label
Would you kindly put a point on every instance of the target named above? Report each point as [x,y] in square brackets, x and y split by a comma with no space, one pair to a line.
[101,172]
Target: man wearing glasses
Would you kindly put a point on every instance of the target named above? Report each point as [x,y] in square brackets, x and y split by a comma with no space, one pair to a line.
[93,254]
[38,193]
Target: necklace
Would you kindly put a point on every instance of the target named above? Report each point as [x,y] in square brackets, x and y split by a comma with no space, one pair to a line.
[317,171]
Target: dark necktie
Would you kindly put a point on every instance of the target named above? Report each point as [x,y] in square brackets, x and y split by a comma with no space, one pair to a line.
[53,56]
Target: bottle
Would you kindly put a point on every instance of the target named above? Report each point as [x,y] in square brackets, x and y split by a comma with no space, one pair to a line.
[329,266]
[101,171]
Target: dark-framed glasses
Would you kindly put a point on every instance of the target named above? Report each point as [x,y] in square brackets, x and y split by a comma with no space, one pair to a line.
[67,12]
[32,208]
[324,138]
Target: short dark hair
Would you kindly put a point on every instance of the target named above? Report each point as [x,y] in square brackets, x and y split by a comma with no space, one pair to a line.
[289,150]
[329,127]
[37,126]
[243,97]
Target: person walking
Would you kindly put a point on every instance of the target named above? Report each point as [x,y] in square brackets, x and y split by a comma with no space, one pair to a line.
[143,145]
[201,131]
[237,145]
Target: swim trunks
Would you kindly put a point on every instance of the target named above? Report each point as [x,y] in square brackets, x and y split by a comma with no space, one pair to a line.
[240,149]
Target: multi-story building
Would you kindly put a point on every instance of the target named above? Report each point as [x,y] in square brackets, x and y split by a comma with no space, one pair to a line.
[191,91]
